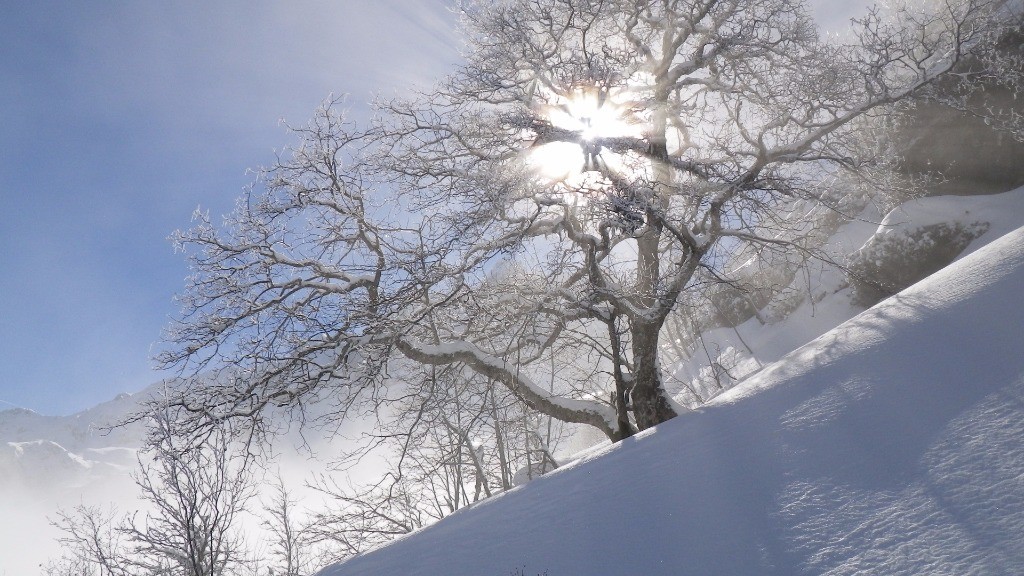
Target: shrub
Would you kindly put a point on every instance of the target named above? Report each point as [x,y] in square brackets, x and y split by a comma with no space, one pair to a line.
[890,262]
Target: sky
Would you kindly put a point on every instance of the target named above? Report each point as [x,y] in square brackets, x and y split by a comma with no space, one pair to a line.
[121,117]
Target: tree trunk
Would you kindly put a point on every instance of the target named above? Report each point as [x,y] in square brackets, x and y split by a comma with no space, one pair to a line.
[650,403]
[499,440]
[622,385]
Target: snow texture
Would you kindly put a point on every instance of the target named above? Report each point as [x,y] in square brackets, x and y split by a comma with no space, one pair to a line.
[892,444]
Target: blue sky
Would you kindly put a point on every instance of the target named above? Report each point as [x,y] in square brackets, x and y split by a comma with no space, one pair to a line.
[120,117]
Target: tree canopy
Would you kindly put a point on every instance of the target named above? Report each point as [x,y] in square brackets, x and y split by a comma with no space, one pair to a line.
[536,217]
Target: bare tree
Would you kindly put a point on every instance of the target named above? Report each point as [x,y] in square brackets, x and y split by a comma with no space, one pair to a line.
[451,441]
[92,542]
[289,541]
[68,566]
[361,518]
[195,495]
[609,155]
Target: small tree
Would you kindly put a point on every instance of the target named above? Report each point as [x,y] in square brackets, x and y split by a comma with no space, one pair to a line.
[289,540]
[195,496]
[93,544]
[608,156]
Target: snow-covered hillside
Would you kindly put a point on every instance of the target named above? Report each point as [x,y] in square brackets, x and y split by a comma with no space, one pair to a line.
[892,444]
[38,451]
[53,462]
[87,429]
[820,299]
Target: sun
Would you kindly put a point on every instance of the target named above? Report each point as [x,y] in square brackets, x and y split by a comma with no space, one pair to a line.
[592,115]
[557,161]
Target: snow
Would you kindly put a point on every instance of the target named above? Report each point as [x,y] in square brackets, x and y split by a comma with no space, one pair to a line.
[822,296]
[81,431]
[891,444]
[1002,213]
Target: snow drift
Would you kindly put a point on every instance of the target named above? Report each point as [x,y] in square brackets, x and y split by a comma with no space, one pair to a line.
[893,444]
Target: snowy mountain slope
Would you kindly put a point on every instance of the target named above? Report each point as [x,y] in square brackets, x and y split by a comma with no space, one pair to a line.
[53,462]
[893,444]
[81,431]
[821,299]
[61,453]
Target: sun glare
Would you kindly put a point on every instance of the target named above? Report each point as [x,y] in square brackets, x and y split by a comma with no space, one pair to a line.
[558,161]
[592,118]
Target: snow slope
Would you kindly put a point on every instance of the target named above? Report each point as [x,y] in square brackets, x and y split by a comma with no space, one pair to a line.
[892,444]
[820,299]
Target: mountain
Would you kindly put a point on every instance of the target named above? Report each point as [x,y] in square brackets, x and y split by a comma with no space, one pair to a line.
[87,429]
[891,444]
[37,451]
[52,462]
